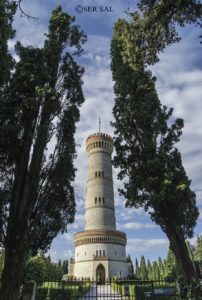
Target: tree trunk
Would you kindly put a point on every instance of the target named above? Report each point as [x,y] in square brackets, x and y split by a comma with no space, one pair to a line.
[179,247]
[14,265]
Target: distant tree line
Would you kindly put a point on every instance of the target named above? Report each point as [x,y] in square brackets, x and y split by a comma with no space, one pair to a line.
[156,270]
[42,268]
[167,268]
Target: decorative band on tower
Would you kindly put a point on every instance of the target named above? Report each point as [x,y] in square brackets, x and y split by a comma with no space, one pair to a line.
[99,140]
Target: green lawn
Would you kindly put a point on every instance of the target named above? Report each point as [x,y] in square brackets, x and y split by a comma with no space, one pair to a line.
[59,290]
[137,289]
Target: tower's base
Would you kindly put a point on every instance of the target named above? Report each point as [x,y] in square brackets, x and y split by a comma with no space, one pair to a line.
[100,254]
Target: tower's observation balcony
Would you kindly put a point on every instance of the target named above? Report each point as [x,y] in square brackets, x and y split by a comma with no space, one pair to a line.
[99,140]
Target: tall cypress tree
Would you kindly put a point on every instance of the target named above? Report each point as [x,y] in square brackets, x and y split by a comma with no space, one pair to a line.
[65,266]
[137,269]
[146,153]
[161,268]
[129,260]
[156,272]
[39,107]
[149,270]
[7,12]
[170,266]
[143,269]
[198,250]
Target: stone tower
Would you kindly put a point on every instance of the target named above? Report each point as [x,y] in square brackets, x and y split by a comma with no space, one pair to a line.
[100,248]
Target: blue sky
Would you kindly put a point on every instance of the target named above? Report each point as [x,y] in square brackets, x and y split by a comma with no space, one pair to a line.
[179,85]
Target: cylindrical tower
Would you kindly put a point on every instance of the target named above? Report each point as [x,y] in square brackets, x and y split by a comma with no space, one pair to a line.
[100,248]
[100,212]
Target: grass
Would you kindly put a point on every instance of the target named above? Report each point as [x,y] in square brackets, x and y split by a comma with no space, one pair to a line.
[62,290]
[137,289]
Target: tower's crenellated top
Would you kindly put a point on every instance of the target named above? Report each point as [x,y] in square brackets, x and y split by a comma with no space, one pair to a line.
[99,140]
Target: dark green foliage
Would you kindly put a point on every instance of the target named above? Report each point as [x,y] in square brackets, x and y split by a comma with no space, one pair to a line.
[38,114]
[137,269]
[161,268]
[198,250]
[156,273]
[129,261]
[149,270]
[143,269]
[170,266]
[1,261]
[148,31]
[150,164]
[65,265]
[41,103]
[146,152]
[7,11]
[39,268]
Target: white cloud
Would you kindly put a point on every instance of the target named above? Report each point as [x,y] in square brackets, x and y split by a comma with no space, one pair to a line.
[68,254]
[135,246]
[68,236]
[136,225]
[199,196]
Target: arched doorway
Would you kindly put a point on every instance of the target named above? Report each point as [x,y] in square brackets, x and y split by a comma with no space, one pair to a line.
[100,274]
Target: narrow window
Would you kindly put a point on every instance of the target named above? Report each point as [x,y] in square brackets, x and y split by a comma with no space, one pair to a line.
[95,174]
[102,173]
[96,252]
[99,174]
[100,252]
[103,252]
[115,252]
[103,200]
[99,200]
[95,200]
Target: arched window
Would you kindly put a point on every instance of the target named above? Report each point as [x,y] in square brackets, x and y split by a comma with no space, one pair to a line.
[103,252]
[99,200]
[99,174]
[95,200]
[96,252]
[100,252]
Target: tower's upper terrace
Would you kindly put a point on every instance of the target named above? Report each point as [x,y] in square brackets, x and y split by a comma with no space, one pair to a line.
[100,140]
